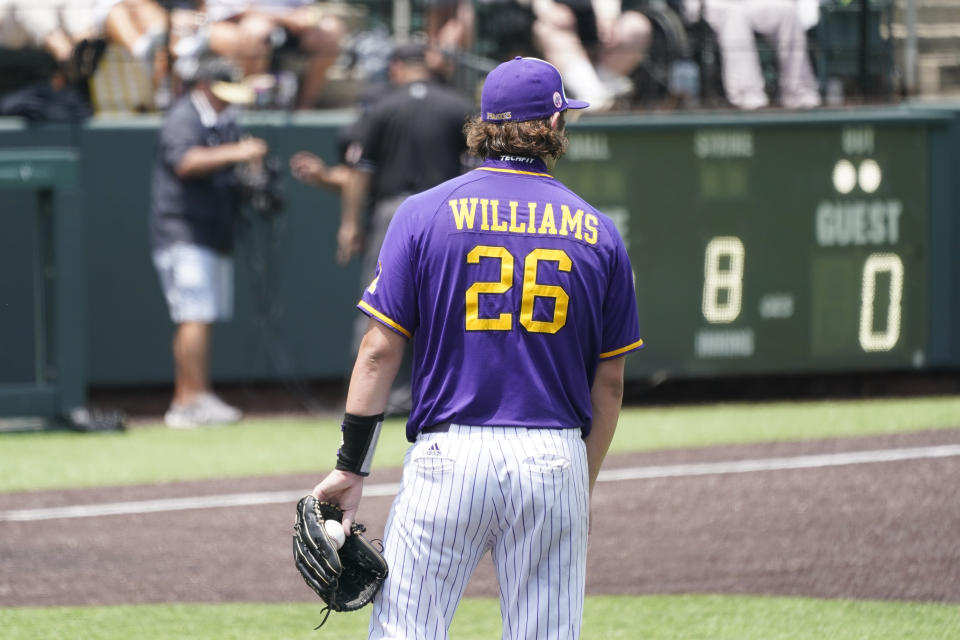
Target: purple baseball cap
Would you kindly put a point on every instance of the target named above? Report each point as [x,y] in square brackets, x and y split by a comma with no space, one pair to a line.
[524,89]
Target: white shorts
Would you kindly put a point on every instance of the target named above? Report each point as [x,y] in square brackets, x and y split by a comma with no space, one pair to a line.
[29,22]
[197,283]
[218,10]
[102,9]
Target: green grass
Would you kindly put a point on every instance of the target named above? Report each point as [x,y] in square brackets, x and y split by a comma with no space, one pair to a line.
[267,447]
[605,618]
[696,426]
[146,455]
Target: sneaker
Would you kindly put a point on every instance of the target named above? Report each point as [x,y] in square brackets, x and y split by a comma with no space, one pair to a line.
[145,47]
[617,85]
[219,408]
[207,410]
[192,46]
[802,100]
[749,101]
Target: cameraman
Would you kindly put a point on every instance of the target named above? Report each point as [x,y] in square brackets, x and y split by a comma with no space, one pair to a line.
[195,199]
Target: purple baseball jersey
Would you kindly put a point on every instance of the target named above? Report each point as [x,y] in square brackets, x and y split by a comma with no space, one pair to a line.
[515,288]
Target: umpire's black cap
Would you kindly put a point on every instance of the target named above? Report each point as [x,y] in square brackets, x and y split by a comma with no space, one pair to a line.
[409,52]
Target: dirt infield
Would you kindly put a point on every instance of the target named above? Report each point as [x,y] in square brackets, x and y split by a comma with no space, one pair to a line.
[878,530]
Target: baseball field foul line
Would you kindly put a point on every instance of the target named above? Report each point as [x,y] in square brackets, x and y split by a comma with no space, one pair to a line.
[388,489]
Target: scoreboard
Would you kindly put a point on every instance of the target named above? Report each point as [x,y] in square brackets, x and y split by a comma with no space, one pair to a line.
[779,245]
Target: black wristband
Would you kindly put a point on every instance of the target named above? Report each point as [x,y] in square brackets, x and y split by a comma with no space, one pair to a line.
[358,441]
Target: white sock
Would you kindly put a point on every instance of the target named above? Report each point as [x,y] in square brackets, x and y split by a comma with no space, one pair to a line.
[142,48]
[192,45]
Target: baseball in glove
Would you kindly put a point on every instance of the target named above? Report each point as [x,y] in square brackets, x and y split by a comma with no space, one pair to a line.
[345,579]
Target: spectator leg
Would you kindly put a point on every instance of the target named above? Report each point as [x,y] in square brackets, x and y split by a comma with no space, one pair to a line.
[322,43]
[138,27]
[742,76]
[59,44]
[156,24]
[121,27]
[151,17]
[555,34]
[245,41]
[43,26]
[631,41]
[777,21]
[459,31]
[183,24]
[449,27]
[191,348]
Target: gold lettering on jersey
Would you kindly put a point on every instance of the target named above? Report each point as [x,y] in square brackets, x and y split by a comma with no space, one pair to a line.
[571,223]
[548,224]
[495,224]
[513,217]
[484,225]
[532,218]
[592,224]
[461,214]
[574,223]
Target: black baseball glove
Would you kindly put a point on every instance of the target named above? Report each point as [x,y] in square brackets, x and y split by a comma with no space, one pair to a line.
[346,579]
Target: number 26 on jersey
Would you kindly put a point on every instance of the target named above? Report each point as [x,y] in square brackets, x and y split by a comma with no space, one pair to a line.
[531,289]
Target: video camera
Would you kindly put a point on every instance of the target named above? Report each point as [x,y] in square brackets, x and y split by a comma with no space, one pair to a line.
[261,188]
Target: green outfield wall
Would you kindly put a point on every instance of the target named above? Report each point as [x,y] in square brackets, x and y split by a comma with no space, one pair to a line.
[765,243]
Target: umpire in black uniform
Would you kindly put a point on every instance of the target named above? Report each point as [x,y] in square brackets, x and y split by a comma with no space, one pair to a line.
[412,139]
[195,200]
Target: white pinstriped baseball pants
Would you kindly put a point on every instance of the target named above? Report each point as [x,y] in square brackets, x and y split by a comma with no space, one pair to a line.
[523,495]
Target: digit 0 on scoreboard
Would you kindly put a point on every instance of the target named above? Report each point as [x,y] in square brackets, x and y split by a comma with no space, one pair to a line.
[885,335]
[780,246]
[879,328]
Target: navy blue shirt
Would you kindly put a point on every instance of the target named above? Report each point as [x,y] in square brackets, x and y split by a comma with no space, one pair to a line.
[196,210]
[413,138]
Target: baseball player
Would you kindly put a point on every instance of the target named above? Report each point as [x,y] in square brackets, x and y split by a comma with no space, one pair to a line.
[522,300]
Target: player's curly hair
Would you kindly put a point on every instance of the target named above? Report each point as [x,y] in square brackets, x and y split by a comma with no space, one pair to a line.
[530,138]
